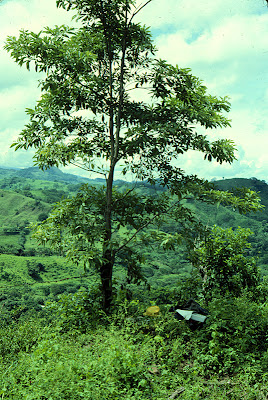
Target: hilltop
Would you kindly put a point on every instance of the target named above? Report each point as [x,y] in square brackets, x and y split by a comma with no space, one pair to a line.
[259,186]
[30,274]
[53,174]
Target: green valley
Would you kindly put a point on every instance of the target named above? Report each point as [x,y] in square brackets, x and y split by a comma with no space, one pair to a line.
[28,200]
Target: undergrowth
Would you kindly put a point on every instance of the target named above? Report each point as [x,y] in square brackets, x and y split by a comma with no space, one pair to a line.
[78,353]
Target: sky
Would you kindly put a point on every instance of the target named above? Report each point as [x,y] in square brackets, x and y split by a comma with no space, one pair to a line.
[224,42]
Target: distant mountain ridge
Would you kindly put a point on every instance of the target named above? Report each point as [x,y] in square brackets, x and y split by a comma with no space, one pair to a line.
[261,187]
[52,174]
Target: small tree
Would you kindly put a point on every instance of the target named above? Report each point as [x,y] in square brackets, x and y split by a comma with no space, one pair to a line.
[224,264]
[87,116]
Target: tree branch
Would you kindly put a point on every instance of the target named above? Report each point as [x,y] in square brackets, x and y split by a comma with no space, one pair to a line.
[139,87]
[126,194]
[88,169]
[139,9]
[176,393]
[140,228]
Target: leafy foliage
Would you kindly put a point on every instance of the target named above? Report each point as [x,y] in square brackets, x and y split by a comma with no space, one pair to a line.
[223,263]
[18,337]
[77,312]
[236,334]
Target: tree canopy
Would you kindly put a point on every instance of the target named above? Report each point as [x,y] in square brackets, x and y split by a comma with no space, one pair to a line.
[88,115]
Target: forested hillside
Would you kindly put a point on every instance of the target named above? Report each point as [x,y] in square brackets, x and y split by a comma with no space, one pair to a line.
[25,199]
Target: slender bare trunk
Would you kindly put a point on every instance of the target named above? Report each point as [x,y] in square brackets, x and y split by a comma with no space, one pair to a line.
[106,279]
[108,252]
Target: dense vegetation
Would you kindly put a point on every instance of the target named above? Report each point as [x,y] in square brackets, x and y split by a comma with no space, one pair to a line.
[126,355]
[23,261]
[75,322]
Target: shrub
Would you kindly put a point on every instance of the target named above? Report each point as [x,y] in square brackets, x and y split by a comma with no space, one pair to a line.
[42,216]
[33,272]
[17,337]
[223,263]
[236,332]
[77,311]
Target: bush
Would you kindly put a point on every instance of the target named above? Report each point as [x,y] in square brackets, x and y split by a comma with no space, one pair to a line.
[124,361]
[34,270]
[42,216]
[223,263]
[103,365]
[18,337]
[77,312]
[236,333]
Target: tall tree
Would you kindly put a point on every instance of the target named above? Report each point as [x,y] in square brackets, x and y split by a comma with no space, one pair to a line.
[88,116]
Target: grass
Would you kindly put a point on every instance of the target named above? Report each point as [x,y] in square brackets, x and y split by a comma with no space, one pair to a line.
[26,283]
[17,210]
[131,358]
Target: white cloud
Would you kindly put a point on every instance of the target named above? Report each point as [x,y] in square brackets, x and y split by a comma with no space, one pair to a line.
[13,100]
[19,87]
[230,54]
[30,14]
[233,38]
[8,157]
[191,15]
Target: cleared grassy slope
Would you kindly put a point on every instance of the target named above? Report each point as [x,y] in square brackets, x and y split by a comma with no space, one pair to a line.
[16,208]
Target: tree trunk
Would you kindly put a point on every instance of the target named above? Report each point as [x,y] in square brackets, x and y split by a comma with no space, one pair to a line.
[106,273]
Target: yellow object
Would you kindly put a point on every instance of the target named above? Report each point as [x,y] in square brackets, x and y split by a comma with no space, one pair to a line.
[152,311]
